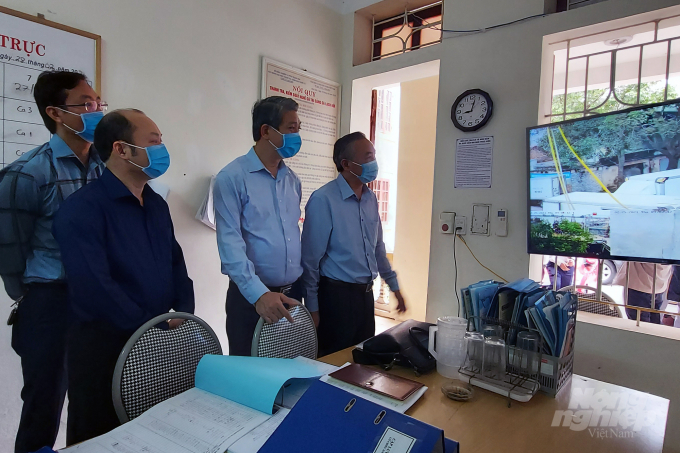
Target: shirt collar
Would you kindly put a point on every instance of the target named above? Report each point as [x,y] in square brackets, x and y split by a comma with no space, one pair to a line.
[345,190]
[254,164]
[60,150]
[115,187]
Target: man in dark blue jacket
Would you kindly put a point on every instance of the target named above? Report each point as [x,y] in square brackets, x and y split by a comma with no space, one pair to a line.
[122,263]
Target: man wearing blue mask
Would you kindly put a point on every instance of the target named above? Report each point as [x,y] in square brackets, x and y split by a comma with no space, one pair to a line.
[257,210]
[31,190]
[343,249]
[122,261]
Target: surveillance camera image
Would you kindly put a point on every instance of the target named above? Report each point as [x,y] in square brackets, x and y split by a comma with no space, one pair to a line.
[607,186]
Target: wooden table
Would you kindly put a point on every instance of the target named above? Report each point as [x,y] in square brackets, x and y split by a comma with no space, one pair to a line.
[486,423]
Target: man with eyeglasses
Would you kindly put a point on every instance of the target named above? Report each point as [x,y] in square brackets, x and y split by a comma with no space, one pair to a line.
[32,189]
[257,210]
[122,261]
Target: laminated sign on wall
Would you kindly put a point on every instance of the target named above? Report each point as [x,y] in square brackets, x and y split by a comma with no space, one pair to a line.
[28,46]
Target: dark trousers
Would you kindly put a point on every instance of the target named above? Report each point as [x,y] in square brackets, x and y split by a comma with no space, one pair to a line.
[39,338]
[640,299]
[242,318]
[93,349]
[564,278]
[346,315]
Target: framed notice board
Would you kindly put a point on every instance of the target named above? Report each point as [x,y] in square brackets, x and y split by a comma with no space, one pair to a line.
[28,46]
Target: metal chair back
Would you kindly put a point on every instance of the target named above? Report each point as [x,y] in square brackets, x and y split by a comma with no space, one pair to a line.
[157,364]
[286,340]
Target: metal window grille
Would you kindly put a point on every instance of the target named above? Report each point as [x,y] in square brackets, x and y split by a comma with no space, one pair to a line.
[381,188]
[616,69]
[420,27]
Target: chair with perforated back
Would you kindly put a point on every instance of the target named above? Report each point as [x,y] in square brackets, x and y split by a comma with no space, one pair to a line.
[286,340]
[586,294]
[157,364]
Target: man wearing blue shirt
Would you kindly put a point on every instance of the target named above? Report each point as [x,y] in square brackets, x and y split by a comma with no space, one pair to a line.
[257,210]
[122,261]
[343,249]
[31,190]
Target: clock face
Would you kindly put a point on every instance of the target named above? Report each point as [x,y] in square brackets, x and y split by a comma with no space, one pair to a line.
[472,110]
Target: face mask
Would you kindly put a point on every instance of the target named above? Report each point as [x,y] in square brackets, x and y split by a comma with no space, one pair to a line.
[369,171]
[90,121]
[291,144]
[159,160]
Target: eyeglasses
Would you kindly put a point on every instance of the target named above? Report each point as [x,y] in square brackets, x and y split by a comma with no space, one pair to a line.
[91,106]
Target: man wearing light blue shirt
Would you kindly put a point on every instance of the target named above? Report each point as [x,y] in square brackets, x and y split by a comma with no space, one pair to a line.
[343,249]
[257,210]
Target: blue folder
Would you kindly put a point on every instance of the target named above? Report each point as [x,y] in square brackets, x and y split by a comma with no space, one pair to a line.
[330,420]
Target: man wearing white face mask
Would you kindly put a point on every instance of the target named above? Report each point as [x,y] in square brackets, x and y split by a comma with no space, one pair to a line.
[343,249]
[31,190]
[123,264]
[257,210]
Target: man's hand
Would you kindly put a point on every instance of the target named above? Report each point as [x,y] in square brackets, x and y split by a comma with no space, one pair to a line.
[270,307]
[401,305]
[175,323]
[315,318]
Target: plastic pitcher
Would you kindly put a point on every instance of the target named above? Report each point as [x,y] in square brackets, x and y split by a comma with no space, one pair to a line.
[449,337]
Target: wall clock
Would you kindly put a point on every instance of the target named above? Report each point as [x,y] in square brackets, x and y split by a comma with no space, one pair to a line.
[472,110]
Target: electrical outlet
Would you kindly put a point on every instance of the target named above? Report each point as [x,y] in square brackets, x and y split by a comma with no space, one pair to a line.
[480,219]
[460,225]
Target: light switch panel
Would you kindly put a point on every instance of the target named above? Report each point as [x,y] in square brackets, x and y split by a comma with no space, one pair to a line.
[480,219]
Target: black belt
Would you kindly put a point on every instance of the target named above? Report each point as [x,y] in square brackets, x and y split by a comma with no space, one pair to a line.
[285,290]
[364,287]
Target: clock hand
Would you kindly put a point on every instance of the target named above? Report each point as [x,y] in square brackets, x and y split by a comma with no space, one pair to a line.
[473,106]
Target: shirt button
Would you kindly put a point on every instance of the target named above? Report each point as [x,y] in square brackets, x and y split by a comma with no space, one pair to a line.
[290,261]
[279,201]
[288,239]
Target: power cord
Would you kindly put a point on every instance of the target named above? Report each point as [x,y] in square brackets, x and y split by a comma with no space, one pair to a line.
[455,266]
[473,255]
[482,30]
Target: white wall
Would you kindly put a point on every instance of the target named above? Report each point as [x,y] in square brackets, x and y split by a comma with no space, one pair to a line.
[506,62]
[194,68]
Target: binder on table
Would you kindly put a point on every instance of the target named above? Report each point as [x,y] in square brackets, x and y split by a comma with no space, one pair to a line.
[332,420]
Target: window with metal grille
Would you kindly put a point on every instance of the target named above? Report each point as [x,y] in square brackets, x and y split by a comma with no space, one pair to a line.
[615,70]
[409,31]
[381,188]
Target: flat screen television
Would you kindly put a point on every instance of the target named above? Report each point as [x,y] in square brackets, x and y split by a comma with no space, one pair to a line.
[607,186]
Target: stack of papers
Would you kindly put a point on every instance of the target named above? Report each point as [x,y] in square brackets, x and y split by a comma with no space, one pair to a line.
[232,409]
[206,213]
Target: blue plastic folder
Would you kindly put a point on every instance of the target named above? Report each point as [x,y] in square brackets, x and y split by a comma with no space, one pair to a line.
[251,381]
[330,420]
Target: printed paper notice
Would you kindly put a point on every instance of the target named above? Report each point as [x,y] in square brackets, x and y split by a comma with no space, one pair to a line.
[474,161]
[393,441]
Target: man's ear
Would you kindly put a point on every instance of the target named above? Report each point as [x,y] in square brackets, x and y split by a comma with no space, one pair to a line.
[54,113]
[119,148]
[264,130]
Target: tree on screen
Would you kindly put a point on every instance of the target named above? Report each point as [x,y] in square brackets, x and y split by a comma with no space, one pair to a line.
[612,137]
